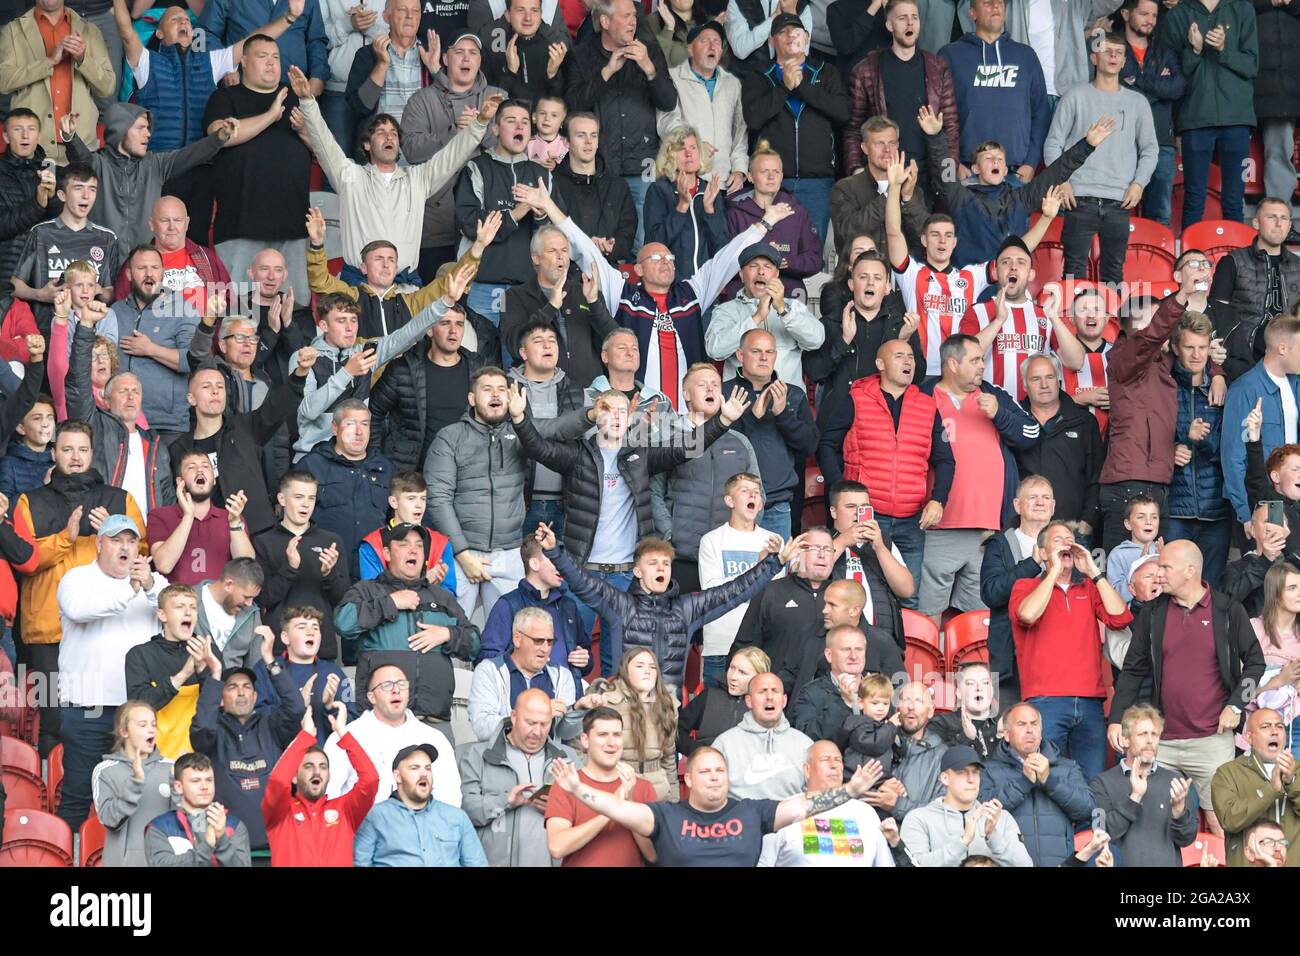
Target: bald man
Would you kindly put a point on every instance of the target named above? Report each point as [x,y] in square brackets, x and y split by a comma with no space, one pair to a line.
[285,324]
[1195,656]
[187,266]
[1259,785]
[508,776]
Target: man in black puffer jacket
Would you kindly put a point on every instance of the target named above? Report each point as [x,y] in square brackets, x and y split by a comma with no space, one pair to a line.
[20,173]
[653,612]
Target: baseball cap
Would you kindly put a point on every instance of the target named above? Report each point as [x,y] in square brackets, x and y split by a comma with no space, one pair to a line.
[699,28]
[760,250]
[427,749]
[398,532]
[235,672]
[1012,242]
[786,20]
[959,757]
[1145,559]
[465,35]
[114,525]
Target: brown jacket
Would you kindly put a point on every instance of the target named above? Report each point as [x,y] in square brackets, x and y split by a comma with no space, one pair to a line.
[867,99]
[651,761]
[25,72]
[858,206]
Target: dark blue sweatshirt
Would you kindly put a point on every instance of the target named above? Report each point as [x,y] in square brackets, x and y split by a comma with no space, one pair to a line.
[1001,96]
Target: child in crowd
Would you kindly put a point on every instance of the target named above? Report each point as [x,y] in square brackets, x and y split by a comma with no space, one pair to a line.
[1142,519]
[29,459]
[548,147]
[300,632]
[871,735]
[408,496]
[165,672]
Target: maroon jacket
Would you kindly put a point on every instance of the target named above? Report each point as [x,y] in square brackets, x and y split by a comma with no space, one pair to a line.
[867,98]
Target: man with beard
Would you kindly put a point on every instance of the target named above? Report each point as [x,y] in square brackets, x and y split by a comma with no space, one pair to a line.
[165,671]
[1087,385]
[601,205]
[304,827]
[129,456]
[1011,327]
[433,116]
[60,519]
[106,607]
[1259,785]
[194,537]
[1151,811]
[26,187]
[188,266]
[402,618]
[444,835]
[565,299]
[152,329]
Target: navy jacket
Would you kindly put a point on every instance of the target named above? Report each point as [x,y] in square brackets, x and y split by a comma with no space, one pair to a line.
[1047,813]
[569,636]
[1160,79]
[781,442]
[999,572]
[1197,488]
[1001,95]
[351,496]
[22,469]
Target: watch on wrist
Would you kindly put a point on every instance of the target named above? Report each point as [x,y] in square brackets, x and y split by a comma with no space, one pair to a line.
[274,667]
[240,526]
[1098,576]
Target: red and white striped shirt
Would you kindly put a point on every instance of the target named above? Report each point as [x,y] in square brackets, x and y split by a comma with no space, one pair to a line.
[1092,375]
[941,299]
[1027,331]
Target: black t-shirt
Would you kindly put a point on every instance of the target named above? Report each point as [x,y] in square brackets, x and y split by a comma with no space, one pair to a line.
[732,836]
[448,17]
[262,186]
[446,391]
[904,97]
[210,446]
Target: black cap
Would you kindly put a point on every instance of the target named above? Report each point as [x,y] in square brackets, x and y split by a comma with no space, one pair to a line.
[1012,242]
[699,28]
[235,672]
[760,250]
[400,531]
[429,750]
[959,757]
[786,20]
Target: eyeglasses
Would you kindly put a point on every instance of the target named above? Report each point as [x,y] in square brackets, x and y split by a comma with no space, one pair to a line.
[1268,843]
[660,257]
[390,685]
[241,337]
[1196,264]
[818,548]
[540,640]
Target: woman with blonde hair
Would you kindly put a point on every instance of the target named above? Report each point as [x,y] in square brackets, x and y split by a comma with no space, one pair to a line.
[683,210]
[132,785]
[720,705]
[649,712]
[794,237]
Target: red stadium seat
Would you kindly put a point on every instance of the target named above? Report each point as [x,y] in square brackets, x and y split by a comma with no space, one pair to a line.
[966,638]
[34,838]
[1193,852]
[1147,266]
[815,510]
[922,662]
[918,627]
[1149,233]
[20,767]
[629,271]
[692,683]
[1217,237]
[92,833]
[335,266]
[54,782]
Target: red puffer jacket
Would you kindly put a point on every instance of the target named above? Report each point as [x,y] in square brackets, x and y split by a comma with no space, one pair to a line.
[867,99]
[894,465]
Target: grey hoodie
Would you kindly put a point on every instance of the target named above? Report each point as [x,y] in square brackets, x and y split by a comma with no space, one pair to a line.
[125,805]
[128,187]
[764,763]
[242,648]
[932,834]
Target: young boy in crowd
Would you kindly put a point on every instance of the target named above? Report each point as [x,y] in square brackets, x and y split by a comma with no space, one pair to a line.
[166,671]
[1142,519]
[548,147]
[29,458]
[200,832]
[408,496]
[975,721]
[300,633]
[653,608]
[871,735]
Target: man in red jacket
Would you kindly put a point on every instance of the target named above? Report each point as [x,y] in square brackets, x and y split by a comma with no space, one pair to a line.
[304,827]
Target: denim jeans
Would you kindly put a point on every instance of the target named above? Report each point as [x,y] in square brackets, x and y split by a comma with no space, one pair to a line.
[1077,727]
[638,187]
[711,666]
[549,510]
[1212,537]
[611,636]
[815,196]
[87,735]
[776,518]
[1096,217]
[1157,197]
[906,533]
[1233,144]
[338,117]
[1279,146]
[488,299]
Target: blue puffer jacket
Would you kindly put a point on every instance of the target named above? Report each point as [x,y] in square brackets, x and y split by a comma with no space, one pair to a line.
[176,95]
[22,469]
[351,496]
[1197,487]
[1047,813]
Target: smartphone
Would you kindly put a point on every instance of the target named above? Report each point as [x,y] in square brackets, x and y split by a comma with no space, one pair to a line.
[1276,513]
[866,513]
[540,792]
[370,348]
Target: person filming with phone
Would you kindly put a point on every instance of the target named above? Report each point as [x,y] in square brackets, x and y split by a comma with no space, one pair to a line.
[864,552]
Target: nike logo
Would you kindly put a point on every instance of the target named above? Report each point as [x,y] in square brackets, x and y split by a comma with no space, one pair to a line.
[763,770]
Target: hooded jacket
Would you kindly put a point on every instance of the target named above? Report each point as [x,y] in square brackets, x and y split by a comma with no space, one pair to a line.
[933,832]
[368,616]
[129,186]
[531,82]
[1159,77]
[600,203]
[476,475]
[794,237]
[560,396]
[802,126]
[663,622]
[569,636]
[764,763]
[429,124]
[351,496]
[1220,85]
[244,753]
[1196,490]
[22,469]
[1242,797]
[126,805]
[487,183]
[1047,813]
[694,236]
[1069,454]
[168,321]
[176,839]
[1278,38]
[580,326]
[717,116]
[1001,95]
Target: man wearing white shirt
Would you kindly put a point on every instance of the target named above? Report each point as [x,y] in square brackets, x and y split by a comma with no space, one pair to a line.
[383,732]
[849,835]
[107,608]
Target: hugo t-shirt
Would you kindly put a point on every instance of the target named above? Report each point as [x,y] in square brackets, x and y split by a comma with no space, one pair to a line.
[732,836]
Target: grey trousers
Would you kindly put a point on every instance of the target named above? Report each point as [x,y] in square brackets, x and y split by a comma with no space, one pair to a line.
[113,42]
[1279,146]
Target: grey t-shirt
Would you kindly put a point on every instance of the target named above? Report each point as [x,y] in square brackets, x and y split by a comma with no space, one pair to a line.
[616,531]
